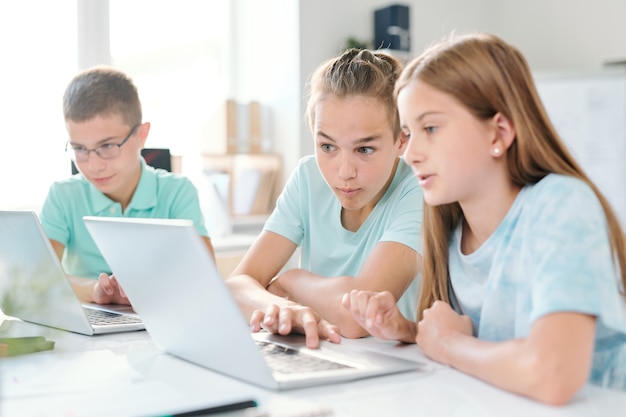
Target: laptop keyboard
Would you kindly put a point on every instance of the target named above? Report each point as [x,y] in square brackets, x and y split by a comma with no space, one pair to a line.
[99,317]
[288,361]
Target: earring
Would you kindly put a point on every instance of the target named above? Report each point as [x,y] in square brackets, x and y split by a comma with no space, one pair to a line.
[496,151]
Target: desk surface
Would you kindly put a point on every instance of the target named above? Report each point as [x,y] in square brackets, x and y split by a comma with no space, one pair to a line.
[126,375]
[234,242]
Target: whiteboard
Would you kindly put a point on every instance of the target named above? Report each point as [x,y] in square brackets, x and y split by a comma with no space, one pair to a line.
[589,113]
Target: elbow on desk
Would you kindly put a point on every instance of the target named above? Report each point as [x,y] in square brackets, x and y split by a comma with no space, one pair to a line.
[554,383]
[557,392]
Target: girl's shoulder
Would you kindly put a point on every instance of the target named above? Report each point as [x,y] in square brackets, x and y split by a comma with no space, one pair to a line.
[560,188]
[560,181]
[305,167]
[559,199]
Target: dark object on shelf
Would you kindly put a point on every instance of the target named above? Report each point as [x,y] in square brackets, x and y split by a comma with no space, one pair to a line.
[391,28]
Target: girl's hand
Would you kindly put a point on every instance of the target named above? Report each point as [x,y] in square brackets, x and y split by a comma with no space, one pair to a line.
[440,322]
[295,318]
[378,313]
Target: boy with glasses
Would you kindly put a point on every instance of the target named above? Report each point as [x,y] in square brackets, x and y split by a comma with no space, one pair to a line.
[106,134]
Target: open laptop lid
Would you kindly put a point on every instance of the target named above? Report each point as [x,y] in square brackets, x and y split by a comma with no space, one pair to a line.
[173,283]
[33,283]
[171,280]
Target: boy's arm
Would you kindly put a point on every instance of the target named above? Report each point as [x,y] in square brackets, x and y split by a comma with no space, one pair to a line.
[83,287]
[391,266]
[92,290]
[209,245]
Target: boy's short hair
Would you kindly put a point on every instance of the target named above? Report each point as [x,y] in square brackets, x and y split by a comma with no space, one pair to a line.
[101,91]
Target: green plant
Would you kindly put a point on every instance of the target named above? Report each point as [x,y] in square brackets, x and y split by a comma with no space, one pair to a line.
[353,42]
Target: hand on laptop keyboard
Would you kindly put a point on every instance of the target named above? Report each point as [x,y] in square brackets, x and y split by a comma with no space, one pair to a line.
[295,319]
[108,291]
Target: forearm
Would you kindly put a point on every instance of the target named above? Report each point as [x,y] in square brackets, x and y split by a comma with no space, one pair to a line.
[324,295]
[407,332]
[251,295]
[513,365]
[83,287]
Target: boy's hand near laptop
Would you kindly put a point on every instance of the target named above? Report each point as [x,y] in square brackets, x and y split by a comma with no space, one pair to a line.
[104,290]
[108,291]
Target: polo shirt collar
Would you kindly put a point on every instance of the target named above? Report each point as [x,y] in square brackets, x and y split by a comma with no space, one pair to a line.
[144,198]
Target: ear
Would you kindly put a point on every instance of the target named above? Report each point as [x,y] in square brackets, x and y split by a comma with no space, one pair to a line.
[402,142]
[504,134]
[143,131]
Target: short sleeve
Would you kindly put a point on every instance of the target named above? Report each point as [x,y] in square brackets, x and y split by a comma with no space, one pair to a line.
[53,216]
[405,211]
[570,258]
[185,204]
[286,218]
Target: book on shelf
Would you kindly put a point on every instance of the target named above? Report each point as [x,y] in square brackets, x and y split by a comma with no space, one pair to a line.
[223,129]
[237,127]
[264,198]
[254,127]
[248,182]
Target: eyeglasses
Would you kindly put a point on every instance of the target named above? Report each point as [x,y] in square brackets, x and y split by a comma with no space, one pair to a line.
[106,151]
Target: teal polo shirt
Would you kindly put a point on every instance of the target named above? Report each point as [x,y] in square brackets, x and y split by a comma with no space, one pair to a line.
[159,194]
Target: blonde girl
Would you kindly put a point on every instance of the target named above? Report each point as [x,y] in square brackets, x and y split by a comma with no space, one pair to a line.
[524,259]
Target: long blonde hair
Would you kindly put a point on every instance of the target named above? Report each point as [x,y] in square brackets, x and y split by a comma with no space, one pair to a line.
[489,76]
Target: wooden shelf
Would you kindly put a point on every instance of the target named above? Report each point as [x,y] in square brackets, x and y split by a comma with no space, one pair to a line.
[250,182]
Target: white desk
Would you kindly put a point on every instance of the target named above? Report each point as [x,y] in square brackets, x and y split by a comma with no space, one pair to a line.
[126,375]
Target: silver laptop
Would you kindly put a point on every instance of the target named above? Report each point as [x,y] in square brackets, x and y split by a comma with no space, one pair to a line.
[173,283]
[35,288]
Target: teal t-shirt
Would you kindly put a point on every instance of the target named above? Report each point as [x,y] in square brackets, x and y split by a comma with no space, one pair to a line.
[309,214]
[550,254]
[159,194]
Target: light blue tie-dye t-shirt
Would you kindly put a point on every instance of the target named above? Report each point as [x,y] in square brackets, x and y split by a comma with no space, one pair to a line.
[550,254]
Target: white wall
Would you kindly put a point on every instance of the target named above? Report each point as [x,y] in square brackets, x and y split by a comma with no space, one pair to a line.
[432,20]
[555,35]
[325,25]
[265,63]
[564,34]
[552,34]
